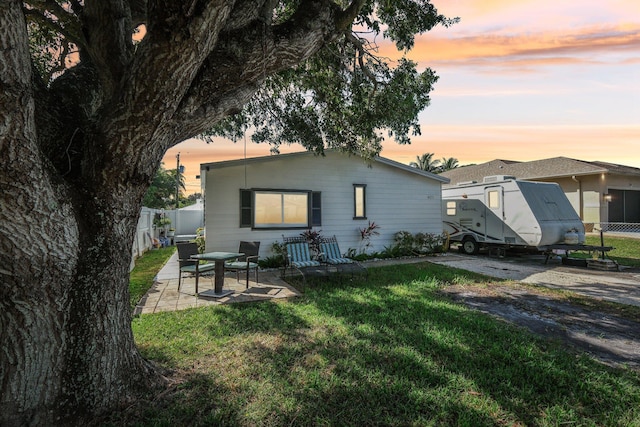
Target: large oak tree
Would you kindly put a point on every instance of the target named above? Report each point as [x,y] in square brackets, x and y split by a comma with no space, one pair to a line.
[86,116]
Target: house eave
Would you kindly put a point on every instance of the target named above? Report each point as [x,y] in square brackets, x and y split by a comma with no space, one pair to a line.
[262,159]
[411,169]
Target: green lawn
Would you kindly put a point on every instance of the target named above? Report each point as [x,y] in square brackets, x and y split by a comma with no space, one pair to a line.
[390,350]
[146,268]
[626,250]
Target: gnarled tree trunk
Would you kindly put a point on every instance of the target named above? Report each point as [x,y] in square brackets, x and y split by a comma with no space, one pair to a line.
[66,343]
[76,158]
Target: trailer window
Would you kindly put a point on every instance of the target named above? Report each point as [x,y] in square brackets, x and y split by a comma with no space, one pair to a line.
[451,208]
[494,200]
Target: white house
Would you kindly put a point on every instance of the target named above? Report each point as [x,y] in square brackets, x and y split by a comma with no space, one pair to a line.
[264,198]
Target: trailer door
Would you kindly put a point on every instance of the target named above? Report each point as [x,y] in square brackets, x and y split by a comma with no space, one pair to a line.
[494,223]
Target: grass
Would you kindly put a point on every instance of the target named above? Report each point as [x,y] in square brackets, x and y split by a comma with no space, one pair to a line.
[391,350]
[146,268]
[626,250]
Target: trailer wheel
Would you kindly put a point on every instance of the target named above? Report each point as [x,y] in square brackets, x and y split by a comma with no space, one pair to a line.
[470,246]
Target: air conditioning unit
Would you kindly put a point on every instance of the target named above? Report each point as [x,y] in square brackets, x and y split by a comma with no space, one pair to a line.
[497,178]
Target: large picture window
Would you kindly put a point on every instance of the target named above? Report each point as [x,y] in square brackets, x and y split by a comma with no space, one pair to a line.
[279,209]
[274,209]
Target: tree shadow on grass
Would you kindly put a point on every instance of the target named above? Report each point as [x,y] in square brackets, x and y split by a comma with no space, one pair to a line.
[387,353]
[508,368]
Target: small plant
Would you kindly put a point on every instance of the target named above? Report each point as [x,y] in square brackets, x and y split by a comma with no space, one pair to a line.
[278,258]
[314,238]
[271,262]
[163,221]
[405,243]
[200,240]
[367,233]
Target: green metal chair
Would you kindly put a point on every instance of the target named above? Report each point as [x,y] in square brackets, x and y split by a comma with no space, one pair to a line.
[247,262]
[189,265]
[330,253]
[298,255]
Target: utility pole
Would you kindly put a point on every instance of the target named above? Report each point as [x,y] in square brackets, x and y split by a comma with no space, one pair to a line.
[178,180]
[177,189]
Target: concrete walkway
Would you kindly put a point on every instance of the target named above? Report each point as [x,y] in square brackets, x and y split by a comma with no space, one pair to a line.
[164,295]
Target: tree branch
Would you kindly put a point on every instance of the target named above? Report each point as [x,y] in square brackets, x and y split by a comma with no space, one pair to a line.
[138,10]
[51,15]
[362,52]
[346,18]
[246,12]
[246,57]
[107,28]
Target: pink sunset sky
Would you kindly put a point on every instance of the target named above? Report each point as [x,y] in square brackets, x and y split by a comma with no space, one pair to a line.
[519,80]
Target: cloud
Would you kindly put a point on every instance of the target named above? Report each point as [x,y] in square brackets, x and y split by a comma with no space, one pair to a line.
[594,45]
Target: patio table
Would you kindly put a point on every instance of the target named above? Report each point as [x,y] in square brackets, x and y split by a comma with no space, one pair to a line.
[218,258]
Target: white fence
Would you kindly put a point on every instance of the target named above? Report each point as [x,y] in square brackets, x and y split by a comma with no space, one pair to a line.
[184,221]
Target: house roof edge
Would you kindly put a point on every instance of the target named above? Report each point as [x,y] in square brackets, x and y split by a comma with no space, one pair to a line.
[379,159]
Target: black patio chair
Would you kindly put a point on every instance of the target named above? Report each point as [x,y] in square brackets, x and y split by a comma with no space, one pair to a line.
[247,262]
[189,265]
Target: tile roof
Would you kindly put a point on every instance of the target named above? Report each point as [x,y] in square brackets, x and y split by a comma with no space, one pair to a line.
[538,169]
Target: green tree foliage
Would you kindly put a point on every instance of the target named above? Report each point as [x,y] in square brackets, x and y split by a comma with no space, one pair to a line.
[162,192]
[193,197]
[346,96]
[447,164]
[426,162]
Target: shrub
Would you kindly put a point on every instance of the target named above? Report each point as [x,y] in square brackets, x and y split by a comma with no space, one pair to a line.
[275,261]
[200,239]
[407,244]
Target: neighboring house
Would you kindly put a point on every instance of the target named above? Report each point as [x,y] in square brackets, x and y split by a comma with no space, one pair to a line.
[264,198]
[599,192]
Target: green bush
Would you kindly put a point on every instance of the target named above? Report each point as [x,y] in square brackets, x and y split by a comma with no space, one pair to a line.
[275,261]
[407,244]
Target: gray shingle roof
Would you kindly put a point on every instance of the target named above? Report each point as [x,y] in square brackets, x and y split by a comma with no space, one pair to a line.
[538,169]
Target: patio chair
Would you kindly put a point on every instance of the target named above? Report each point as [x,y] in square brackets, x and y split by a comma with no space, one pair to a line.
[247,262]
[298,255]
[191,266]
[330,253]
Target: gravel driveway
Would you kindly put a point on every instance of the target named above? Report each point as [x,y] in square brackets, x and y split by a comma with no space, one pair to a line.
[618,286]
[609,338]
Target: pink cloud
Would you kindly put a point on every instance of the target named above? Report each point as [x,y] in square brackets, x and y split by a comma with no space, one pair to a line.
[536,49]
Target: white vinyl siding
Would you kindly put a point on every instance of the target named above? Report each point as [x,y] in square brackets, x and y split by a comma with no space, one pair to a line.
[396,199]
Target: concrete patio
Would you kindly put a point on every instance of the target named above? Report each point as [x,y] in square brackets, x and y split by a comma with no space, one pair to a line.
[164,295]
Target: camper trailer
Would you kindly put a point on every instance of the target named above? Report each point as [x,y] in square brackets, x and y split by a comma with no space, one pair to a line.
[504,212]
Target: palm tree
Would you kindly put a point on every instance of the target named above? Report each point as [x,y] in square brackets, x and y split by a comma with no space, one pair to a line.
[163,189]
[446,164]
[426,163]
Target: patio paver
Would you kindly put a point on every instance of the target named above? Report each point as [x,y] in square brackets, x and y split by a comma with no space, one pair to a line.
[164,294]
